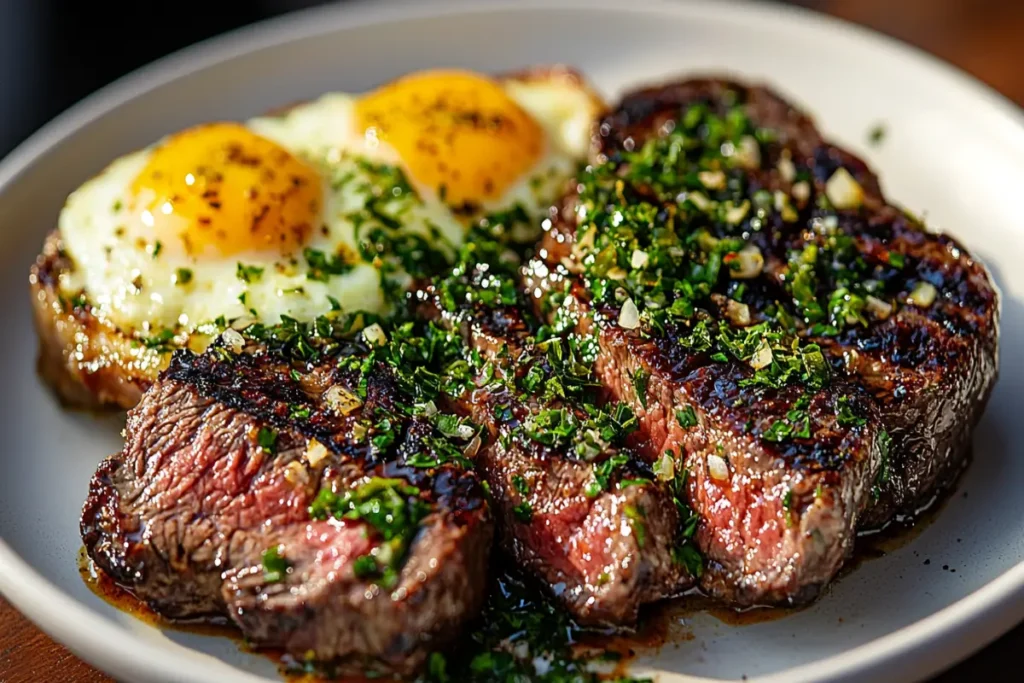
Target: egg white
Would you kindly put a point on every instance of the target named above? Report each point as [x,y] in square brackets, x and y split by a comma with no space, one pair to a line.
[141,292]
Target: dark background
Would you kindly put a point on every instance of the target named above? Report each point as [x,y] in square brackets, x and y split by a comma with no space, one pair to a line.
[55,52]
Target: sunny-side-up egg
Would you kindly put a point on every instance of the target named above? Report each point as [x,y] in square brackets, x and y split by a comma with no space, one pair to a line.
[325,207]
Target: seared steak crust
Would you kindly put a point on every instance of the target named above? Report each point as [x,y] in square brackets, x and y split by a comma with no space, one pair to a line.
[779,519]
[779,523]
[184,515]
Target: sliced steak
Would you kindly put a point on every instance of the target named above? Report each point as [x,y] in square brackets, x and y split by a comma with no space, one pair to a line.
[708,262]
[581,514]
[266,490]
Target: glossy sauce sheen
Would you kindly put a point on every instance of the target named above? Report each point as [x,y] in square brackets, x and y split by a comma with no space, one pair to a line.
[103,587]
[660,624]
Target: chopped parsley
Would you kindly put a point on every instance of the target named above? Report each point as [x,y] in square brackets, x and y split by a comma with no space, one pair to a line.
[877,134]
[640,379]
[298,412]
[365,567]
[322,267]
[686,417]
[182,276]
[392,508]
[274,565]
[523,511]
[266,438]
[636,517]
[161,341]
[603,472]
[520,485]
[845,415]
[248,274]
[778,431]
[79,301]
[519,628]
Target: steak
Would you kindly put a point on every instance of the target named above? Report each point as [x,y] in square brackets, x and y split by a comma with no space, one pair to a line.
[816,358]
[264,489]
[581,515]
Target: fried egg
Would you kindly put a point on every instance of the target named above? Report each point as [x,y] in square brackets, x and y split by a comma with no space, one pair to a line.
[333,205]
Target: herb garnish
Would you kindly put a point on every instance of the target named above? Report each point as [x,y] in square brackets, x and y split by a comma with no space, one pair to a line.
[266,438]
[519,627]
[322,266]
[274,564]
[391,507]
[182,276]
[686,417]
[845,415]
[248,274]
[161,341]
[876,134]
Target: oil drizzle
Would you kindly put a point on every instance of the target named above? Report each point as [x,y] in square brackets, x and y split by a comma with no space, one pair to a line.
[103,587]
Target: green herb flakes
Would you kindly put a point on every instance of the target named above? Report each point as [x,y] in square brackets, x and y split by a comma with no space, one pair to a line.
[266,438]
[248,274]
[274,565]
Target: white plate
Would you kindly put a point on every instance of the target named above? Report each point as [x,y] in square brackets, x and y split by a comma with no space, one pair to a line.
[954,150]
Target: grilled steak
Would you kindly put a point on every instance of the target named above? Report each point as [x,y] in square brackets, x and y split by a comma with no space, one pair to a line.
[257,487]
[581,515]
[724,254]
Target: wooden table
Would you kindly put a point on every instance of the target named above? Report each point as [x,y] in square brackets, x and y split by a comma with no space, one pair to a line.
[983,37]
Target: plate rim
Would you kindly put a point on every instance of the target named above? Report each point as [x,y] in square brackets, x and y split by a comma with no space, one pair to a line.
[960,628]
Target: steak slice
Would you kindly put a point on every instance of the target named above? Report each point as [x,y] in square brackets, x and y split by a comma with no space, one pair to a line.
[263,489]
[928,354]
[776,520]
[581,515]
[719,277]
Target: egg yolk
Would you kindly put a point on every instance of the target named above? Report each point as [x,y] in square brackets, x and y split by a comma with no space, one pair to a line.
[220,189]
[456,132]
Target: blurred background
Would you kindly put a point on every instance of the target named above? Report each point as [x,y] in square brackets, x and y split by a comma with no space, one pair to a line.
[55,52]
